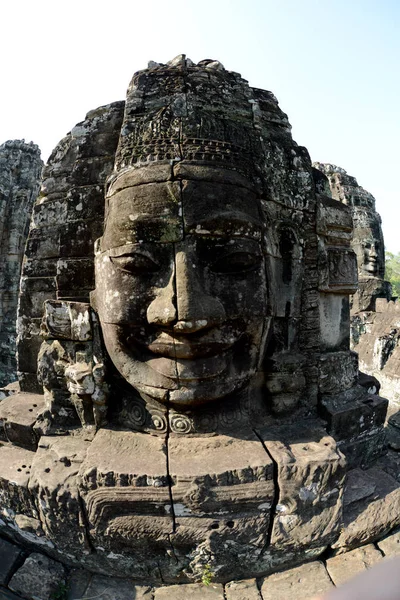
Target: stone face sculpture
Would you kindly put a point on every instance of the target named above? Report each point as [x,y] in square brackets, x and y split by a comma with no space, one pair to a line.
[20,168]
[196,396]
[367,242]
[374,321]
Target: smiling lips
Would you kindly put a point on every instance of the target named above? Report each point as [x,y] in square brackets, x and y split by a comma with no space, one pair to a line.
[187,347]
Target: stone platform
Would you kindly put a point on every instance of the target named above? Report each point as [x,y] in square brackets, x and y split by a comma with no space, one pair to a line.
[371,532]
[36,577]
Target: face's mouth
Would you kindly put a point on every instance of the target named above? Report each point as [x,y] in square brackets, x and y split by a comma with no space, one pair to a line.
[190,346]
[187,348]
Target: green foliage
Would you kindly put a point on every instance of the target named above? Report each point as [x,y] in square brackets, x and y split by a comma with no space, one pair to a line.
[207,575]
[61,592]
[392,271]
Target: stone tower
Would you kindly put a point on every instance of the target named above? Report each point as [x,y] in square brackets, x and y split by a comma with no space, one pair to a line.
[20,168]
[367,240]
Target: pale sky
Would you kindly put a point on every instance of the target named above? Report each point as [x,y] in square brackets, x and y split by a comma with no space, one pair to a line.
[334,67]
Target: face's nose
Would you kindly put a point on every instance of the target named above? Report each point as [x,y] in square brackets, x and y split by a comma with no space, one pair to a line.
[373,252]
[162,310]
[196,309]
[184,304]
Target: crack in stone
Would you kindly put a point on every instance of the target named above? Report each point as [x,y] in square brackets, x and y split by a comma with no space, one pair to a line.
[275,500]
[168,473]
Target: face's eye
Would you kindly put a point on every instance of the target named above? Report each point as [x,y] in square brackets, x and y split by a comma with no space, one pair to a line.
[137,264]
[236,262]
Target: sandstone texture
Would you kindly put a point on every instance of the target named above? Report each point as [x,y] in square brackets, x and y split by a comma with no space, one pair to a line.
[20,168]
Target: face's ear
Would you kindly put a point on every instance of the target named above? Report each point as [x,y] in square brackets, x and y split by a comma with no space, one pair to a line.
[97,246]
[97,251]
[93,300]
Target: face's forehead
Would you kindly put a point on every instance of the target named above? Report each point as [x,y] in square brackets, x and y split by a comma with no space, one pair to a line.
[166,211]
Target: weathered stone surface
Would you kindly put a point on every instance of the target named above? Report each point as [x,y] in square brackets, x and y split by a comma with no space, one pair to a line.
[18,415]
[78,582]
[376,341]
[108,588]
[194,591]
[15,470]
[10,554]
[390,546]
[7,595]
[301,583]
[367,240]
[310,475]
[345,566]
[39,577]
[369,518]
[246,589]
[20,167]
[54,485]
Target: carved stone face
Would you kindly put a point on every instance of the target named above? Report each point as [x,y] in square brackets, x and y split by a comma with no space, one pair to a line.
[181,287]
[370,257]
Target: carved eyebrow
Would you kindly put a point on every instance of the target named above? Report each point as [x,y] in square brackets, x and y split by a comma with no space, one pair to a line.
[226,224]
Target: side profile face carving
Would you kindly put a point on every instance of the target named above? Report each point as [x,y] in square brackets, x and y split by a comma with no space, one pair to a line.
[370,262]
[181,285]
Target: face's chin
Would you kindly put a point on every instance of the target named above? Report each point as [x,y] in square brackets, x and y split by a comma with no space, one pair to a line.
[371,267]
[185,371]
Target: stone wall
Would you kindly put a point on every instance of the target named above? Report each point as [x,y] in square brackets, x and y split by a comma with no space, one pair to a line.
[20,167]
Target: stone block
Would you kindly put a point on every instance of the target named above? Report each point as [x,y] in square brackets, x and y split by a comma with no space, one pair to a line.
[343,567]
[246,589]
[359,486]
[18,414]
[92,170]
[222,471]
[34,291]
[129,469]
[353,416]
[390,463]
[194,591]
[109,588]
[10,555]
[311,472]
[29,382]
[43,243]
[77,238]
[76,272]
[15,470]
[78,582]
[301,583]
[369,518]
[49,213]
[85,203]
[28,347]
[67,320]
[54,485]
[40,267]
[390,546]
[335,321]
[366,449]
[345,367]
[39,577]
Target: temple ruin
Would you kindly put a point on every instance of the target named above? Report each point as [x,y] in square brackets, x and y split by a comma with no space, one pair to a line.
[190,422]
